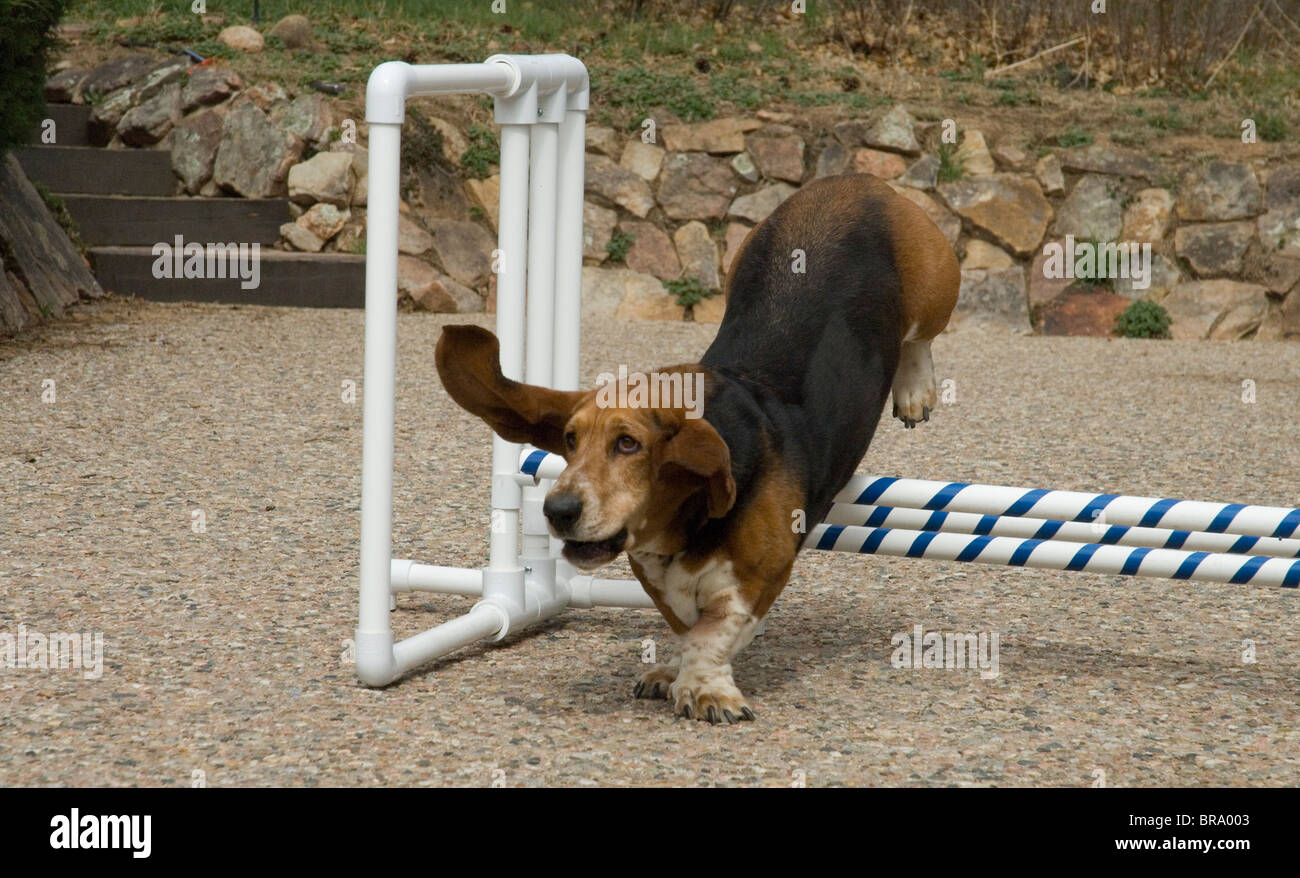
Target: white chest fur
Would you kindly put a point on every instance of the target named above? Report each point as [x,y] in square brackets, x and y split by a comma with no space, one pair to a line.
[686,592]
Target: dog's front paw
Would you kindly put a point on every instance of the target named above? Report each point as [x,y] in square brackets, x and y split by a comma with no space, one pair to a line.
[715,701]
[654,683]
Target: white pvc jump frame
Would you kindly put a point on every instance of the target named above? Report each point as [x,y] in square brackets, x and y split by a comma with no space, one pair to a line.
[541,105]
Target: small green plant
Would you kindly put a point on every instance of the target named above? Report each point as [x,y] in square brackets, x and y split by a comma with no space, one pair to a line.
[62,215]
[619,243]
[1270,126]
[950,164]
[483,152]
[688,290]
[1143,319]
[1074,136]
[1170,121]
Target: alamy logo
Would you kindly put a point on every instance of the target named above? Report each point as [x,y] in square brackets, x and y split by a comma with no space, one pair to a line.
[102,831]
[56,651]
[948,651]
[1087,260]
[654,390]
[179,260]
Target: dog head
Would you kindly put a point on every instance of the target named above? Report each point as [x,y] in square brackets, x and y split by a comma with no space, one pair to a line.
[634,463]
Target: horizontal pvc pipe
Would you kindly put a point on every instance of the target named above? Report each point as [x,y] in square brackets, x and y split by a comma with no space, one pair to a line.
[1190,515]
[1054,555]
[1067,531]
[485,620]
[409,575]
[586,591]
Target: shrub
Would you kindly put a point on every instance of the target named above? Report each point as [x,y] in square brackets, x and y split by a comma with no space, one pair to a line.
[688,290]
[26,38]
[950,168]
[1143,319]
[484,151]
[618,245]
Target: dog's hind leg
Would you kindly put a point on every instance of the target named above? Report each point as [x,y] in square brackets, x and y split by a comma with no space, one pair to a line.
[915,392]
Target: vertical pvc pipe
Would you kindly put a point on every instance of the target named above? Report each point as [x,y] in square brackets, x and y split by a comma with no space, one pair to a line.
[568,250]
[503,578]
[374,635]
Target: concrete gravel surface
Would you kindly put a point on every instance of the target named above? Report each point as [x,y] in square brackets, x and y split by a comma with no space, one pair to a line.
[225,651]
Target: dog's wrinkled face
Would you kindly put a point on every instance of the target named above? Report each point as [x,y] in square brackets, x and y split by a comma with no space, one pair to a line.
[631,468]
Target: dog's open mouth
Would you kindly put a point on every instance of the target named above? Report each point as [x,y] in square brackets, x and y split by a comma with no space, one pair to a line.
[596,553]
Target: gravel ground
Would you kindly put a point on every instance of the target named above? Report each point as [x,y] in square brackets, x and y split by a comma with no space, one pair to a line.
[224,651]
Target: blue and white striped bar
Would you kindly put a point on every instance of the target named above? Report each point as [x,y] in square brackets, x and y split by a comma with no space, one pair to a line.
[1056,555]
[1066,531]
[1189,515]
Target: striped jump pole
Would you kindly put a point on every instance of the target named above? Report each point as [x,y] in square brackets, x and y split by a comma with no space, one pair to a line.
[1050,530]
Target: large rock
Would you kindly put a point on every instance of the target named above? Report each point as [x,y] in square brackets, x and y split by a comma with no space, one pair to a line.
[107,113]
[1216,309]
[756,206]
[947,223]
[994,297]
[242,38]
[294,31]
[617,184]
[894,131]
[743,164]
[1096,159]
[698,254]
[982,254]
[486,196]
[1009,207]
[412,239]
[1219,191]
[61,88]
[1010,155]
[778,157]
[627,294]
[299,237]
[597,228]
[209,85]
[885,165]
[1083,312]
[254,156]
[1091,211]
[1283,187]
[833,160]
[604,140]
[694,185]
[148,122]
[1214,249]
[1164,277]
[718,136]
[1283,320]
[431,290]
[642,159]
[923,174]
[1049,174]
[114,74]
[1148,217]
[1040,287]
[326,176]
[464,250]
[733,238]
[973,155]
[1277,272]
[41,272]
[194,148]
[1279,231]
[306,117]
[652,251]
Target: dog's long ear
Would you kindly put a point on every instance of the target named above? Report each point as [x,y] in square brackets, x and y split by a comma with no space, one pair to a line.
[698,452]
[469,364]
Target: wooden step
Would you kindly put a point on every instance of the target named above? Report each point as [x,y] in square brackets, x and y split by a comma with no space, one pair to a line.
[71,125]
[312,280]
[130,220]
[86,169]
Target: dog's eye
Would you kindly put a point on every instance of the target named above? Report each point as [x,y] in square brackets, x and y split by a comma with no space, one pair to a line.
[626,445]
[570,440]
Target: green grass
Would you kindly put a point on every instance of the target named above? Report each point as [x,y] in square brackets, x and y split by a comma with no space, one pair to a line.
[1073,136]
[483,152]
[950,166]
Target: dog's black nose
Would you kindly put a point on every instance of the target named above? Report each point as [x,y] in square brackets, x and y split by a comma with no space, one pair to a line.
[562,511]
